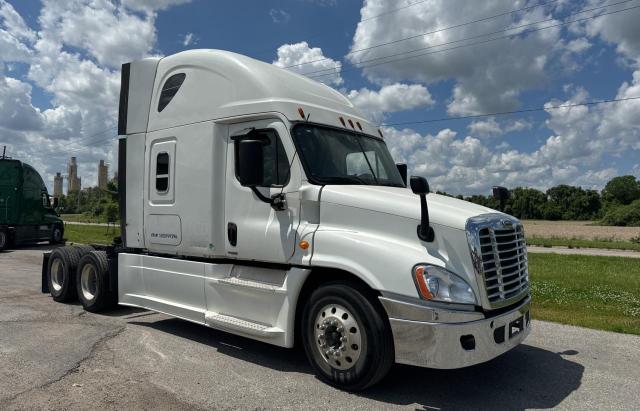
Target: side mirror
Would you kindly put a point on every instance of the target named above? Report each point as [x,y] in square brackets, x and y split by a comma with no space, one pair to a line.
[420,186]
[250,162]
[501,194]
[402,169]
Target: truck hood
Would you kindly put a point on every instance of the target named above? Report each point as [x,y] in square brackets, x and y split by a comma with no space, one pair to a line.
[398,201]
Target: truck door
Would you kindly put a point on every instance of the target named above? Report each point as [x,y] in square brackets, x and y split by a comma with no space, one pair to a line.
[255,230]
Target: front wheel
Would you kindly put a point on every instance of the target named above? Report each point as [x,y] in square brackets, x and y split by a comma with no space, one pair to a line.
[56,234]
[346,336]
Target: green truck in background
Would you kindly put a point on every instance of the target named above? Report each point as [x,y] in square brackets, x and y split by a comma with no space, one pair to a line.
[26,212]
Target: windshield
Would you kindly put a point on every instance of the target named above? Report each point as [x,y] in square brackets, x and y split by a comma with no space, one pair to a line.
[334,156]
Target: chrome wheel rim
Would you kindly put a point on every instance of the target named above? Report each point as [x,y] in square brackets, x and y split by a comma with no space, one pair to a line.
[338,336]
[88,282]
[57,274]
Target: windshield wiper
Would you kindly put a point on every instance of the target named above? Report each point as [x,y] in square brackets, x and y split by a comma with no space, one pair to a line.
[340,180]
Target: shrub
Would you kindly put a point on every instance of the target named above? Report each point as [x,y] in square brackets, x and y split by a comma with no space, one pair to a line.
[624,215]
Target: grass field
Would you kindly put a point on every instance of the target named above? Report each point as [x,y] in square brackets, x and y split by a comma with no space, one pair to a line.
[83,218]
[594,292]
[90,234]
[582,243]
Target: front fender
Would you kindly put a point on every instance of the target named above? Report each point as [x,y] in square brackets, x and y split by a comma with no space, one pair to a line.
[382,249]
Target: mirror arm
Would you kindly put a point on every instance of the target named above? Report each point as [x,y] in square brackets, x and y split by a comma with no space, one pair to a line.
[425,231]
[277,201]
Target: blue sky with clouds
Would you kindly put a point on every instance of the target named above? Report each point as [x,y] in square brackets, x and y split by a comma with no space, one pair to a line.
[59,77]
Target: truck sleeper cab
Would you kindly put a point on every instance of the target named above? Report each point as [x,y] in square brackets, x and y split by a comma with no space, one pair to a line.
[26,214]
[260,202]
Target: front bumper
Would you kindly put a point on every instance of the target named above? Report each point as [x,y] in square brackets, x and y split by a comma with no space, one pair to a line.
[437,338]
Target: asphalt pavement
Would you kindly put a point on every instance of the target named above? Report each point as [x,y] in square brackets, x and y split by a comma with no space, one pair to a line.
[56,356]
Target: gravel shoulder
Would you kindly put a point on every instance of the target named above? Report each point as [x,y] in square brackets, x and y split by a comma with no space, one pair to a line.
[56,356]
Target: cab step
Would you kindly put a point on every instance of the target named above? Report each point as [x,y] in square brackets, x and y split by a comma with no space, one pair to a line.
[255,285]
[228,322]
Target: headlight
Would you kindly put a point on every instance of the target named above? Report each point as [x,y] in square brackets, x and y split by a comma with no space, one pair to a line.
[437,284]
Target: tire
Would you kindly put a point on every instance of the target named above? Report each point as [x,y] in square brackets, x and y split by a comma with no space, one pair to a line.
[346,336]
[61,274]
[57,234]
[92,281]
[83,249]
[4,240]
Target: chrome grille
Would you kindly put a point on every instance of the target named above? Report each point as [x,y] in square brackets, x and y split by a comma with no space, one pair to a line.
[499,252]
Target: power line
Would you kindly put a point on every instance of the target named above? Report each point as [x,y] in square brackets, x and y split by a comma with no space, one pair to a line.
[394,10]
[437,31]
[503,113]
[361,64]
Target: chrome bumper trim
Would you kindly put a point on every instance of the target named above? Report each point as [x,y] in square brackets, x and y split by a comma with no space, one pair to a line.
[439,345]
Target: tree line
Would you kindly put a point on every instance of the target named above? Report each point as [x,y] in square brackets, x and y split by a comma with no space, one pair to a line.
[93,202]
[617,204]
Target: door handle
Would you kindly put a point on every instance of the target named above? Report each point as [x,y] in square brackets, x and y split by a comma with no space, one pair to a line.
[232,234]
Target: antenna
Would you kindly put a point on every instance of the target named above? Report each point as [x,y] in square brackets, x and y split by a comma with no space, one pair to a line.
[4,151]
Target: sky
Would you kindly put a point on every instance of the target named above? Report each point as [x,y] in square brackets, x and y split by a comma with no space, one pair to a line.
[428,71]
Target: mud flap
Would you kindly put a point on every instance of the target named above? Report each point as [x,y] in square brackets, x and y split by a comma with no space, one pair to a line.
[45,268]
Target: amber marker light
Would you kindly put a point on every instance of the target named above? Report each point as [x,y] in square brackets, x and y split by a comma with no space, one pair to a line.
[422,283]
[301,112]
[343,123]
[351,124]
[359,126]
[304,244]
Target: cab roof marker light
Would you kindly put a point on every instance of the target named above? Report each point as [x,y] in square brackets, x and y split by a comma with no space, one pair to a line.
[380,132]
[359,126]
[342,121]
[301,112]
[351,124]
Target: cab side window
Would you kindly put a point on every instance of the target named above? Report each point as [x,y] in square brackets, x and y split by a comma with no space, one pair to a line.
[162,172]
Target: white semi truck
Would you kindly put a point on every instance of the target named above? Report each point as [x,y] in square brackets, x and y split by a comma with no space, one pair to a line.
[259,202]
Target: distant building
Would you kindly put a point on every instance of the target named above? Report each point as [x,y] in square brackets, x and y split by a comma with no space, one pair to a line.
[103,175]
[75,183]
[57,185]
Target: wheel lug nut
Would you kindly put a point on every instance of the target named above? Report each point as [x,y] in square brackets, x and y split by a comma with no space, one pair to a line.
[340,329]
[343,348]
[343,339]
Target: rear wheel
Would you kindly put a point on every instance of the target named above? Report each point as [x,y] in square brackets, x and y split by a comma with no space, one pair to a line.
[346,337]
[92,281]
[62,265]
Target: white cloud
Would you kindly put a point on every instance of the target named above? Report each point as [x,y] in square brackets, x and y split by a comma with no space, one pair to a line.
[279,16]
[492,128]
[152,5]
[15,105]
[110,34]
[302,59]
[488,77]
[189,39]
[75,57]
[620,29]
[389,99]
